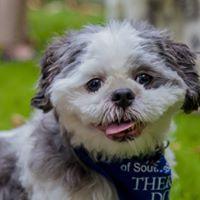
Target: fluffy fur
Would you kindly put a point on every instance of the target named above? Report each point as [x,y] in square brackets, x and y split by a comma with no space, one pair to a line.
[39,155]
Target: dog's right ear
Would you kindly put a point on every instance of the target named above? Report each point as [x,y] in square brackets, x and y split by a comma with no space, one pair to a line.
[61,54]
[49,69]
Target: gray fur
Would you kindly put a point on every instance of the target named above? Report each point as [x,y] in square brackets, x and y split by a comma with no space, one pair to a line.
[60,58]
[62,54]
[178,57]
[10,187]
[53,157]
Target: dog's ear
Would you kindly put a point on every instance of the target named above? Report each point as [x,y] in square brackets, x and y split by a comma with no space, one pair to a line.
[181,59]
[49,69]
[62,53]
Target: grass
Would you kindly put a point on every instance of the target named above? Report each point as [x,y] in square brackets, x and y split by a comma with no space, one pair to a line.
[16,88]
[187,150]
[17,80]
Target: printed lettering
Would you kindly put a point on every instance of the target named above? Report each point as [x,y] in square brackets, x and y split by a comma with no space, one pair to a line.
[169,182]
[165,195]
[123,167]
[149,183]
[162,183]
[156,196]
[126,167]
[160,196]
[136,167]
[137,182]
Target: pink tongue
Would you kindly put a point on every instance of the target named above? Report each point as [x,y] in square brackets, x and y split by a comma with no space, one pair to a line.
[116,129]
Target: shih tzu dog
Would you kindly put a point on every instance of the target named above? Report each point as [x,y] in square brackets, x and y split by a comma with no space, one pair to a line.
[107,95]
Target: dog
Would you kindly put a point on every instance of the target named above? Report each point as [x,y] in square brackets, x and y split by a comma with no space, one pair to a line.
[105,102]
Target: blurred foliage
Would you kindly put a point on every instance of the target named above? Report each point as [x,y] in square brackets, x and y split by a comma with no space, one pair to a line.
[46,23]
[17,81]
[17,86]
[17,78]
[187,150]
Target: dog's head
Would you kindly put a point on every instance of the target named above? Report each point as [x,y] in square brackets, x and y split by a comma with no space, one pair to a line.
[115,88]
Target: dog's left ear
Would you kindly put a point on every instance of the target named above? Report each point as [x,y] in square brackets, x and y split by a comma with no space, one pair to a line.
[181,59]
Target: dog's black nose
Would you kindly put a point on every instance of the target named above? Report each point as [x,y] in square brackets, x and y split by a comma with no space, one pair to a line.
[123,97]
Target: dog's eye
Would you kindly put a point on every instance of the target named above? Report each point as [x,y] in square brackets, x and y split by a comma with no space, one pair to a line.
[94,84]
[143,79]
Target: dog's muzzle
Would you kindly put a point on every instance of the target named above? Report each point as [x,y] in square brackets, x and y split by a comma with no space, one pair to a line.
[122,130]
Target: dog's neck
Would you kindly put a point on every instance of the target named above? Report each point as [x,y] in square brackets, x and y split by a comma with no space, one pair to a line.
[96,141]
[59,146]
[148,177]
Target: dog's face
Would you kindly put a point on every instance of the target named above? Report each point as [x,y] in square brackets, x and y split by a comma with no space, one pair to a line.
[115,88]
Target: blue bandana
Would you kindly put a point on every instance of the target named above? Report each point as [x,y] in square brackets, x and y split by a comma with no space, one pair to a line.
[140,179]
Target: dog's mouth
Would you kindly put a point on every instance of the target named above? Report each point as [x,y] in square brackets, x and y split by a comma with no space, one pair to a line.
[123,131]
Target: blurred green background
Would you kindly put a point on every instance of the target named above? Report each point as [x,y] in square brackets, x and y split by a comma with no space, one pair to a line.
[18,80]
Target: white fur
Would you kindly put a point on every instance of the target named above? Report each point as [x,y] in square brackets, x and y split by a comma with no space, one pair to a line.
[106,57]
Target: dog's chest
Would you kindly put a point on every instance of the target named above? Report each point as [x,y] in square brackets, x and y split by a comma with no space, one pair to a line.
[148,179]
